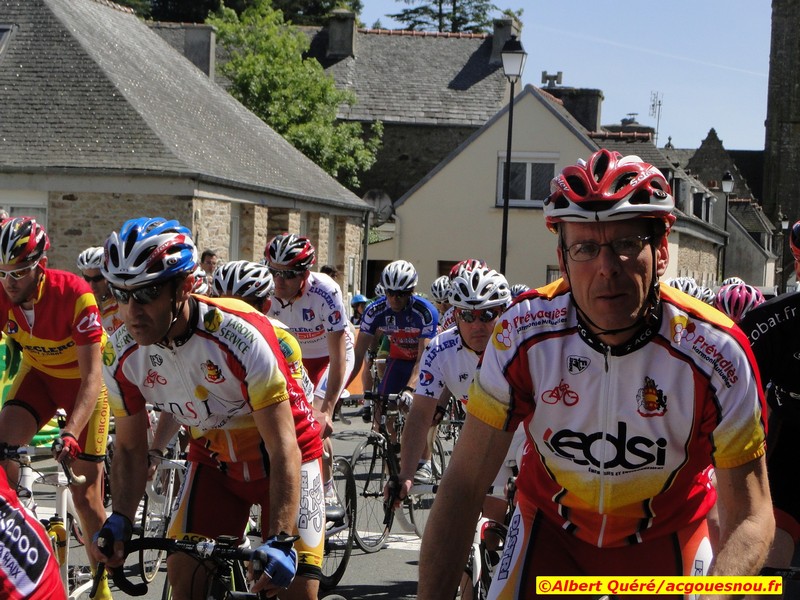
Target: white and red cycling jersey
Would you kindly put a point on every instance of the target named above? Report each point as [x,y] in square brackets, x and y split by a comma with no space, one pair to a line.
[621,438]
[448,319]
[228,365]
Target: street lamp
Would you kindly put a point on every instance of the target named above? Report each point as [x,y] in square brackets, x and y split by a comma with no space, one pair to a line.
[727,188]
[780,252]
[513,64]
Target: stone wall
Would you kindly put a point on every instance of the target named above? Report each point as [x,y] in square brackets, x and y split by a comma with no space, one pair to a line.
[76,221]
[697,258]
[253,225]
[212,227]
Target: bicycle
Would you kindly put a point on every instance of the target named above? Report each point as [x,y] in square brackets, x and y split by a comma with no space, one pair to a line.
[77,580]
[374,462]
[340,526]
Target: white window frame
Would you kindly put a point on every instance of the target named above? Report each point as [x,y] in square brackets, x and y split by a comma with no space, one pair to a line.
[550,158]
[17,203]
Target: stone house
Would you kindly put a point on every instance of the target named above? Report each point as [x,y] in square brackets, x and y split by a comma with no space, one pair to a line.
[102,120]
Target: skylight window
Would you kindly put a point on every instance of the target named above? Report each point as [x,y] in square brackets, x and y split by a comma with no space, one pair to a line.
[5,35]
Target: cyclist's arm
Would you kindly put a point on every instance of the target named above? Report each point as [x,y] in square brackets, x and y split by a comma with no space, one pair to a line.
[337,351]
[363,343]
[747,525]
[91,370]
[166,429]
[276,426]
[415,437]
[476,459]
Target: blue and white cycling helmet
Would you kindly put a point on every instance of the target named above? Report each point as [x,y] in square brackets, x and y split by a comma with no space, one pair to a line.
[399,276]
[147,251]
[440,288]
[243,279]
[91,258]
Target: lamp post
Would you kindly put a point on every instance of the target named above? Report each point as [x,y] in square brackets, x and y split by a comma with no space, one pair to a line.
[780,252]
[513,64]
[727,188]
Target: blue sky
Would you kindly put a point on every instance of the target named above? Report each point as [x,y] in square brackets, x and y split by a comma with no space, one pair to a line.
[707,59]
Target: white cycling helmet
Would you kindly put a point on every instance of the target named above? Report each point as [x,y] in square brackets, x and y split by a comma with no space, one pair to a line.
[707,295]
[685,284]
[732,281]
[243,279]
[379,291]
[440,288]
[518,289]
[479,288]
[399,276]
[91,258]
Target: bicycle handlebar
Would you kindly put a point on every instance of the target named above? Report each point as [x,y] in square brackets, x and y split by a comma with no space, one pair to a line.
[11,452]
[205,549]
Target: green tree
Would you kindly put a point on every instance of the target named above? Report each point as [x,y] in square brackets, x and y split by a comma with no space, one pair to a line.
[141,7]
[470,16]
[313,12]
[292,94]
[183,11]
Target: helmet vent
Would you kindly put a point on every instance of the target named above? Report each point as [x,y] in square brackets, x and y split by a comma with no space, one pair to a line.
[577,185]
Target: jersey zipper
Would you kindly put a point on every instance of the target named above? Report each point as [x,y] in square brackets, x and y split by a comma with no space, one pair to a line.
[605,400]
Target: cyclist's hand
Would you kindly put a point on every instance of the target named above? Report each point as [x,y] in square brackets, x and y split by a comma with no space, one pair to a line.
[109,543]
[405,398]
[396,490]
[154,458]
[66,446]
[325,423]
[278,560]
[441,411]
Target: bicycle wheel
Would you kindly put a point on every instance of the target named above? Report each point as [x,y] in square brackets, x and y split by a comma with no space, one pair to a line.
[340,534]
[370,473]
[155,520]
[438,458]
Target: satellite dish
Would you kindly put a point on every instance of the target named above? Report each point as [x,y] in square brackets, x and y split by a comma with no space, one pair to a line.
[384,209]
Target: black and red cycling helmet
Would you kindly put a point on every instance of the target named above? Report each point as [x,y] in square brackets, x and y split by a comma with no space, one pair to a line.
[291,250]
[609,187]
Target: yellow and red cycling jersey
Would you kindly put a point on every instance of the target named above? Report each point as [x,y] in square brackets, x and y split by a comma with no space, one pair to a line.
[228,365]
[620,438]
[65,317]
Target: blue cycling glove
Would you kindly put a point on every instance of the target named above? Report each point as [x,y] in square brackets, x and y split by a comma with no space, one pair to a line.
[278,559]
[117,528]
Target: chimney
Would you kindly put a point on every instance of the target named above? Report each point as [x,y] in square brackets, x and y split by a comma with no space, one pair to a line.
[341,34]
[582,103]
[199,46]
[503,30]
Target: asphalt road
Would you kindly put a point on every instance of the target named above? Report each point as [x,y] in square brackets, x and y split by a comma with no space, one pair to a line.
[390,573]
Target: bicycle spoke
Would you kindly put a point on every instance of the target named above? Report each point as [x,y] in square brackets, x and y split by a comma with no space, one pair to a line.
[369,472]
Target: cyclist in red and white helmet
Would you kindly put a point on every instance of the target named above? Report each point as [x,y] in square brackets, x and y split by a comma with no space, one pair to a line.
[312,306]
[624,405]
[737,299]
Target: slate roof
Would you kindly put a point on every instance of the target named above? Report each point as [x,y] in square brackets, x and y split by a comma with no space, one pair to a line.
[417,77]
[85,86]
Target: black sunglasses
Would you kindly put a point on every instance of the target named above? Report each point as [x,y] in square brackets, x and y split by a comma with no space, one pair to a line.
[487,315]
[398,293]
[288,274]
[142,295]
[95,279]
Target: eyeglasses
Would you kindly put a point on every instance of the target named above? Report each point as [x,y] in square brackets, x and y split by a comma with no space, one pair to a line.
[19,273]
[95,279]
[626,246]
[288,274]
[487,315]
[398,293]
[142,295]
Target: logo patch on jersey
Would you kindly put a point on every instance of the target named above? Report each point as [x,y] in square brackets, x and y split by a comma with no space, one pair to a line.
[153,378]
[108,354]
[212,372]
[651,401]
[308,314]
[425,378]
[560,392]
[212,320]
[796,355]
[501,337]
[682,328]
[23,553]
[390,322]
[89,323]
[335,317]
[12,327]
[156,360]
[577,364]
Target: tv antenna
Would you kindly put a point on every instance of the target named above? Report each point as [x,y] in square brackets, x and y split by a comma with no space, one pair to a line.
[655,111]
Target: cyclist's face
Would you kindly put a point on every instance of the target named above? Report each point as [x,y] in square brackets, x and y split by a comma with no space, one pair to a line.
[149,323]
[287,288]
[22,290]
[611,289]
[98,284]
[397,300]
[477,333]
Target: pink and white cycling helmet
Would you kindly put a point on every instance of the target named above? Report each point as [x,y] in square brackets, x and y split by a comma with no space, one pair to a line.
[399,276]
[737,299]
[291,250]
[609,187]
[479,288]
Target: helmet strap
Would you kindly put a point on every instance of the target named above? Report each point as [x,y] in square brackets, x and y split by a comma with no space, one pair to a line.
[176,309]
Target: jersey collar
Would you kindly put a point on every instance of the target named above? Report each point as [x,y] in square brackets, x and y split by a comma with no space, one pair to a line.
[646,332]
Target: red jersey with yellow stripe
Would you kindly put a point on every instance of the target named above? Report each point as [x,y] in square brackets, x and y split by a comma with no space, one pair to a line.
[621,437]
[65,317]
[228,365]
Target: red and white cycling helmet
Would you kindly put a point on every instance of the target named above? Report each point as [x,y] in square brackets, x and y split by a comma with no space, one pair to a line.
[609,187]
[737,299]
[243,279]
[466,264]
[479,288]
[440,288]
[291,250]
[794,240]
[399,276]
[91,258]
[22,239]
[200,282]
